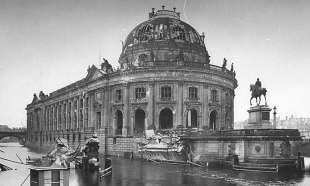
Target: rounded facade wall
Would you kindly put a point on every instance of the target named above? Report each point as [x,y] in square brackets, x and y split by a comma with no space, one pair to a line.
[195,91]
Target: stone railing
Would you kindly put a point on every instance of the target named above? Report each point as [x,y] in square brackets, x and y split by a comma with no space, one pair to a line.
[21,129]
[175,65]
[261,132]
[244,133]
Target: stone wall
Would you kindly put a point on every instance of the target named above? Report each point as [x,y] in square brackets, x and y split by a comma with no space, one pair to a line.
[247,150]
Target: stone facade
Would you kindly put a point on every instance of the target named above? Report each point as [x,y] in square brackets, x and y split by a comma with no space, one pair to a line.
[164,81]
[250,145]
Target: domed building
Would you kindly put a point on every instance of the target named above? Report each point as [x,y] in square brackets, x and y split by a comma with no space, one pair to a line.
[165,81]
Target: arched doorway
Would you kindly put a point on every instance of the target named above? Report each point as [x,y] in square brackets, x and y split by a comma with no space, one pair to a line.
[139,121]
[119,122]
[191,121]
[165,119]
[212,122]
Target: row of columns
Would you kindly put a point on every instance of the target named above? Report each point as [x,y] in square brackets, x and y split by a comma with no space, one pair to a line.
[69,114]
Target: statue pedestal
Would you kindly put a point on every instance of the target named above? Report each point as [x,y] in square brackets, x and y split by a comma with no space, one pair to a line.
[259,118]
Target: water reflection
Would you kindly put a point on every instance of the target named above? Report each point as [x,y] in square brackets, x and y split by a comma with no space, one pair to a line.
[81,178]
[142,173]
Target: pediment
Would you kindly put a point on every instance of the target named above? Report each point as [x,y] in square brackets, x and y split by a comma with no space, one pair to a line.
[93,73]
[96,75]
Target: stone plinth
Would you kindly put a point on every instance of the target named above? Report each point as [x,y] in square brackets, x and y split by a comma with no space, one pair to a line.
[259,118]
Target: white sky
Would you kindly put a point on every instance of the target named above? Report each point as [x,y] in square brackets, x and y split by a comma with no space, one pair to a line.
[45,45]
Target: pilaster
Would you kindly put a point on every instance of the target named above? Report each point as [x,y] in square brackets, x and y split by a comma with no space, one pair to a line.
[150,107]
[106,104]
[126,126]
[204,97]
[179,97]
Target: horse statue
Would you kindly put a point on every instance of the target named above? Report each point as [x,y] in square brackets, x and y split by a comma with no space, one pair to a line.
[256,93]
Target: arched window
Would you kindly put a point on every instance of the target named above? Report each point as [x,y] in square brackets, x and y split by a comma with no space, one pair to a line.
[178,33]
[139,121]
[212,121]
[145,32]
[119,122]
[165,119]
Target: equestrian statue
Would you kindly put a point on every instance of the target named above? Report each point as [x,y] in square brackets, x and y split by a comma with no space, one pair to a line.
[257,91]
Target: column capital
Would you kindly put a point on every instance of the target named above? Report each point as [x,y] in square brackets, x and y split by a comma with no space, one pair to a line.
[126,85]
[152,84]
[180,83]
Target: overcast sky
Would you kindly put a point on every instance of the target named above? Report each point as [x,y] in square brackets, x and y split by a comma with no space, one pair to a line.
[45,45]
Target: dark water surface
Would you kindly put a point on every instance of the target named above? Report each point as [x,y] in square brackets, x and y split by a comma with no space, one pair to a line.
[142,173]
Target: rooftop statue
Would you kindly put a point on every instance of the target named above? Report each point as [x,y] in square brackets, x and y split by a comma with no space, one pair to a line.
[224,64]
[42,95]
[106,66]
[257,91]
[35,98]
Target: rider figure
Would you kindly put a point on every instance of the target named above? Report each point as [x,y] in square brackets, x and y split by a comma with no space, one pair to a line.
[258,84]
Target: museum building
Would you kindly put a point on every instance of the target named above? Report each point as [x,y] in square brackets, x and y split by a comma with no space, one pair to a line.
[164,81]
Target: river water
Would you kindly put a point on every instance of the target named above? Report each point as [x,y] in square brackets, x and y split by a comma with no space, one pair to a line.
[141,173]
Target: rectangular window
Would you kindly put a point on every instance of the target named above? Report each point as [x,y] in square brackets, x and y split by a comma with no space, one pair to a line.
[114,140]
[118,94]
[64,115]
[59,117]
[99,96]
[55,118]
[86,115]
[98,117]
[214,96]
[55,177]
[166,92]
[51,118]
[75,105]
[81,116]
[192,93]
[69,115]
[81,103]
[140,92]
[87,102]
[265,116]
[74,120]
